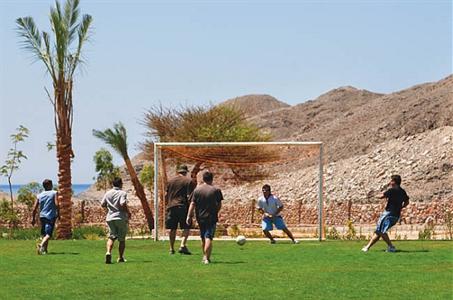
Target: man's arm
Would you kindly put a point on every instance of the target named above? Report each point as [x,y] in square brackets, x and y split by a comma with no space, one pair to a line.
[35,209]
[57,204]
[190,212]
[406,201]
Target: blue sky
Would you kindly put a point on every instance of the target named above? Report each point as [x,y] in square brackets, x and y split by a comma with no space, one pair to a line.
[198,52]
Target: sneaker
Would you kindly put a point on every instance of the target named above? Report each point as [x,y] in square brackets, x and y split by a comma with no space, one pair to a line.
[296,242]
[171,252]
[391,249]
[184,250]
[206,261]
[121,260]
[364,249]
[108,258]
[38,249]
[273,242]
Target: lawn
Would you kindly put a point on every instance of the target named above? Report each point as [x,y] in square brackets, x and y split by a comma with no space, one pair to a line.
[258,270]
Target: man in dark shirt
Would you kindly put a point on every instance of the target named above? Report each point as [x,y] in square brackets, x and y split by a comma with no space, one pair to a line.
[206,200]
[397,199]
[179,189]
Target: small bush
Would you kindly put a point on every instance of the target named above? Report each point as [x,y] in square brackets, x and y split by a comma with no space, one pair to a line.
[234,230]
[82,232]
[20,233]
[332,234]
[351,234]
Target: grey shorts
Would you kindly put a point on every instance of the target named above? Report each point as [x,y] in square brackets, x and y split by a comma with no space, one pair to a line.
[117,230]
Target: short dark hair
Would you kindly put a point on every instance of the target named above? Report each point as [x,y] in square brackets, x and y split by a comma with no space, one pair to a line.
[117,182]
[266,187]
[396,179]
[208,176]
[47,184]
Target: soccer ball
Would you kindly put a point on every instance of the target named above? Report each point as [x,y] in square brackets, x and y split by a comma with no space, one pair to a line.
[240,240]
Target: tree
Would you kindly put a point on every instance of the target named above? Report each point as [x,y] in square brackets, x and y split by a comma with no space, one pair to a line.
[117,139]
[208,124]
[27,193]
[147,175]
[61,56]
[14,158]
[107,171]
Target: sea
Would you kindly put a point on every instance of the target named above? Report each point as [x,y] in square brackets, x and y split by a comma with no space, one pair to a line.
[77,188]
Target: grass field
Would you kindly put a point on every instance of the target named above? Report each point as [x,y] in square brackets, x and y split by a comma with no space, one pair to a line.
[258,270]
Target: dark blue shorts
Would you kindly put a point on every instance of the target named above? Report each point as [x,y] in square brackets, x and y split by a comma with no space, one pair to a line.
[47,226]
[207,231]
[386,221]
[177,215]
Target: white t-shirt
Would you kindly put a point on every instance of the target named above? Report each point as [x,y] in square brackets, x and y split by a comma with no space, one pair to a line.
[269,205]
[113,200]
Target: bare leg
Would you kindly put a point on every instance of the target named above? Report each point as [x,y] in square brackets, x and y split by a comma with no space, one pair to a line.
[290,235]
[172,239]
[208,249]
[185,235]
[386,238]
[373,241]
[110,243]
[121,248]
[268,235]
[203,241]
[45,242]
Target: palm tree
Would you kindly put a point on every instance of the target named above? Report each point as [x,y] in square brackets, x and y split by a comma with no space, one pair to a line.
[61,58]
[117,139]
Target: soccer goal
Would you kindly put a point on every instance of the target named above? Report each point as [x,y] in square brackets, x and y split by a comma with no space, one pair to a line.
[293,169]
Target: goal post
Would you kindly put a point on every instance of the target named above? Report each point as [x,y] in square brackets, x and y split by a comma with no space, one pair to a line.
[232,155]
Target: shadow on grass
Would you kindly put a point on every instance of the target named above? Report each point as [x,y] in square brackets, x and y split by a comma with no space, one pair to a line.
[412,251]
[228,262]
[63,253]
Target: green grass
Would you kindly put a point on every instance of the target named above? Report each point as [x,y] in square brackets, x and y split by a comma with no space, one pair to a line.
[258,270]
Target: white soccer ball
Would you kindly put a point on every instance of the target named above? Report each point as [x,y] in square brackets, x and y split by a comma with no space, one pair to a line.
[240,240]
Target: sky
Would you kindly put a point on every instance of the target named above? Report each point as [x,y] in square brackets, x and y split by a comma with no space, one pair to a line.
[146,53]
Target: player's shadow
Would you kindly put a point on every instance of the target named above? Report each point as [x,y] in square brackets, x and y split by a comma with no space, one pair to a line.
[62,253]
[411,251]
[227,262]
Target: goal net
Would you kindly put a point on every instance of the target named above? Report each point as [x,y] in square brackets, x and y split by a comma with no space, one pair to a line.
[294,170]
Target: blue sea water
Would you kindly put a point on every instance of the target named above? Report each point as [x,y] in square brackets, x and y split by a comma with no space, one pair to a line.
[77,188]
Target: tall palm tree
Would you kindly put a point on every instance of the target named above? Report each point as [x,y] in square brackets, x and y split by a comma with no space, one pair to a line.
[117,139]
[61,56]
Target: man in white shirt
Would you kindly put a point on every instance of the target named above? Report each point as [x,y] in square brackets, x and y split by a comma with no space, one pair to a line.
[115,201]
[270,206]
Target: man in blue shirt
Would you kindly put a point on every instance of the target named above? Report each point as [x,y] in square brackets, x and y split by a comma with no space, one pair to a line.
[397,199]
[48,213]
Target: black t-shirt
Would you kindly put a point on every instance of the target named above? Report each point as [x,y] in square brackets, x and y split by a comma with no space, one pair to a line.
[178,190]
[207,199]
[395,198]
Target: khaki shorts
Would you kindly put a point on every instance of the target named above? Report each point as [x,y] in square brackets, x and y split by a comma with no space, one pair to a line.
[117,230]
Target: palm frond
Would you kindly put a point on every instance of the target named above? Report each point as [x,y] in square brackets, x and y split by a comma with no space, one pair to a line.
[71,14]
[32,41]
[61,40]
[116,138]
[49,55]
[83,33]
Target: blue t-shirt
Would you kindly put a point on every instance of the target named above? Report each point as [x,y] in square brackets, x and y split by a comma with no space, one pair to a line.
[47,206]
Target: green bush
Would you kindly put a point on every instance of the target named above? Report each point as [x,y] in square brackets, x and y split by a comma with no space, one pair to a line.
[333,234]
[88,232]
[20,233]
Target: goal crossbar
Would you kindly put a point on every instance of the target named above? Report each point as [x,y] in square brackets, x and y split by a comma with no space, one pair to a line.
[159,145]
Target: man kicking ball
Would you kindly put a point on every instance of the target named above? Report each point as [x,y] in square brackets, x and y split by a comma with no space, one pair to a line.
[270,206]
[397,199]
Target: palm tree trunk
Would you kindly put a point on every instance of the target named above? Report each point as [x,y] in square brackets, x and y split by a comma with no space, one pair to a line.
[140,192]
[64,153]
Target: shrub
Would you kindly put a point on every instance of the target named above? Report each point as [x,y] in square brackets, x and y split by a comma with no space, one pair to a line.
[87,232]
[332,234]
[351,234]
[20,233]
[27,193]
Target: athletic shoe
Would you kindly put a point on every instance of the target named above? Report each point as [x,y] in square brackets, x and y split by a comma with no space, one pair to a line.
[273,242]
[391,249]
[184,250]
[121,260]
[172,252]
[206,261]
[365,249]
[296,242]
[108,258]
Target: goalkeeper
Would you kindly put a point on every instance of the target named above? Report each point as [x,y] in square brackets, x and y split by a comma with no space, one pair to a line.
[270,206]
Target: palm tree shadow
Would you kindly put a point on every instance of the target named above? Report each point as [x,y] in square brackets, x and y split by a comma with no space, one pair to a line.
[63,253]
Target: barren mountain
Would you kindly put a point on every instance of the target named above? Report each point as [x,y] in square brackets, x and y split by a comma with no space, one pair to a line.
[253,105]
